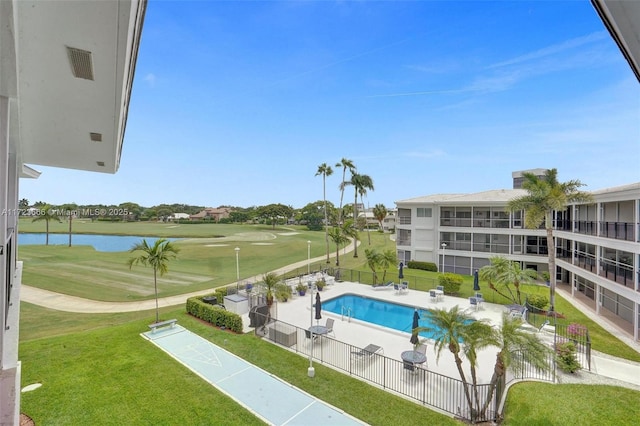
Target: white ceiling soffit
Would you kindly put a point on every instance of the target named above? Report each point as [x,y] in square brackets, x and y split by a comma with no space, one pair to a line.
[76,61]
[622,19]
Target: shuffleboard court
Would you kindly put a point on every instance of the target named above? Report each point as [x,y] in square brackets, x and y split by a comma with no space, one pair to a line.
[265,395]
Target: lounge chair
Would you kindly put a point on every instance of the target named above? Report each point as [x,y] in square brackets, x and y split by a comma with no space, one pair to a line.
[386,286]
[366,353]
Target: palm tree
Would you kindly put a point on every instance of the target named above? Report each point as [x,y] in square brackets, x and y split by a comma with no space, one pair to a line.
[518,348]
[47,214]
[350,231]
[345,164]
[478,335]
[270,282]
[325,170]
[373,261]
[388,258]
[448,330]
[360,184]
[502,272]
[156,256]
[546,195]
[380,213]
[338,239]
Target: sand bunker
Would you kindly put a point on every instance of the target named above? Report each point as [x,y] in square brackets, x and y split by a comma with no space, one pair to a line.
[216,245]
[261,244]
[288,234]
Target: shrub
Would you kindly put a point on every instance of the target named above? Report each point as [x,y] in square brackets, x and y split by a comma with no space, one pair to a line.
[538,301]
[566,357]
[576,330]
[425,266]
[214,314]
[451,282]
[283,292]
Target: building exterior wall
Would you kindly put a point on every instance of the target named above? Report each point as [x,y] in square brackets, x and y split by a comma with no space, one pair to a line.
[597,244]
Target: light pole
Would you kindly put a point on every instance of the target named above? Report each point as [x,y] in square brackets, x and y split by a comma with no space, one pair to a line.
[311,372]
[444,246]
[237,249]
[308,257]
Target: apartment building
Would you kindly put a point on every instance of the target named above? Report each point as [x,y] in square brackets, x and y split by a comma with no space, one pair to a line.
[597,244]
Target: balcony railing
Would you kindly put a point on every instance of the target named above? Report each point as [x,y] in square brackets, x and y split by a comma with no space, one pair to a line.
[621,274]
[586,227]
[618,230]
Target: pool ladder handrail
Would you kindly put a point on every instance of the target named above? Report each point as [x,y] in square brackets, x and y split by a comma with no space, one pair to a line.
[342,310]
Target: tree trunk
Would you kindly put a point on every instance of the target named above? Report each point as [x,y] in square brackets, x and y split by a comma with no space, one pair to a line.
[155,286]
[464,382]
[70,219]
[46,243]
[498,372]
[551,252]
[355,221]
[326,221]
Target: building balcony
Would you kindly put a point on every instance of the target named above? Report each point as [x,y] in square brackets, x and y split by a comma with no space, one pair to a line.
[621,274]
[618,230]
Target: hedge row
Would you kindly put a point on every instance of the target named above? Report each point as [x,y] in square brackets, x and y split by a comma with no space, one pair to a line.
[214,314]
[425,266]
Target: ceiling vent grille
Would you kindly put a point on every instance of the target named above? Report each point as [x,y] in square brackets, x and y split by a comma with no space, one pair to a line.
[95,137]
[100,163]
[81,63]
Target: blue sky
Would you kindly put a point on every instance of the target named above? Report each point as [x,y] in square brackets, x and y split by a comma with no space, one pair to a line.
[237,103]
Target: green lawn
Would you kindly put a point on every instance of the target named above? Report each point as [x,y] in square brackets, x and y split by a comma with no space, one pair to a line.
[111,375]
[108,374]
[546,404]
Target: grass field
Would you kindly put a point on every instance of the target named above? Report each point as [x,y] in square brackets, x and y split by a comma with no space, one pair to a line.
[202,263]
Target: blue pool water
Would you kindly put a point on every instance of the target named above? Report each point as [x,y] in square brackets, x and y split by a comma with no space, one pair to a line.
[386,314]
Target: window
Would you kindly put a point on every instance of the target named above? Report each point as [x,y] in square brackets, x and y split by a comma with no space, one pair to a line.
[424,211]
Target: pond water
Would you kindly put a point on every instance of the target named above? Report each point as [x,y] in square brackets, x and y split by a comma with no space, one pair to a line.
[99,242]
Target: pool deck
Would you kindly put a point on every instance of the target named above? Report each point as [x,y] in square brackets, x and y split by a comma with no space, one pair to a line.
[297,311]
[359,333]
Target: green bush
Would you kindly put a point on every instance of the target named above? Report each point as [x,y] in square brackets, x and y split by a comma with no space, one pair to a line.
[566,357]
[283,292]
[538,301]
[451,282]
[425,266]
[214,314]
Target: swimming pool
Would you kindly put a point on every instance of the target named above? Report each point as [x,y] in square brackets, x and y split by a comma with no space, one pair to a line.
[379,312]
